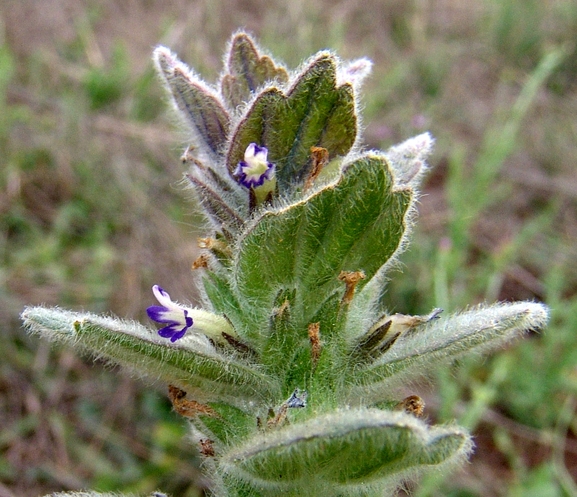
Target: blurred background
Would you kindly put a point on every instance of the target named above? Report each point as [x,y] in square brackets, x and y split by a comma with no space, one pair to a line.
[92,213]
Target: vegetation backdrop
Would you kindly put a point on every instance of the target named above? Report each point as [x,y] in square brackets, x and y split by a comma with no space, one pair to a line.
[92,213]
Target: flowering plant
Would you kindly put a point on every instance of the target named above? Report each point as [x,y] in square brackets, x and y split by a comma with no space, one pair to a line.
[289,371]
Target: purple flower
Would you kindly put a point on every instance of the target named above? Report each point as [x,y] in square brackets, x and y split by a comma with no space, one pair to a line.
[170,313]
[254,169]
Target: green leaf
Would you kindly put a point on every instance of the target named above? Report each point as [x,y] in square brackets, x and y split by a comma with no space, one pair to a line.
[469,332]
[314,112]
[282,342]
[350,447]
[212,198]
[225,302]
[197,103]
[190,363]
[355,224]
[248,70]
[230,424]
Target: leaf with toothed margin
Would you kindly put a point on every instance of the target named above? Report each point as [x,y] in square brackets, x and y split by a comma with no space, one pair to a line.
[198,105]
[315,112]
[247,71]
[469,332]
[354,224]
[190,363]
[344,449]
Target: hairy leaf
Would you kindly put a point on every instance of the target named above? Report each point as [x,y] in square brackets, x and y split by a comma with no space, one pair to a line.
[191,363]
[470,332]
[247,71]
[198,105]
[313,113]
[355,224]
[346,448]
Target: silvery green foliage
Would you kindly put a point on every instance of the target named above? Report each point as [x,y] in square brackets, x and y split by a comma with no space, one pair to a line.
[288,371]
